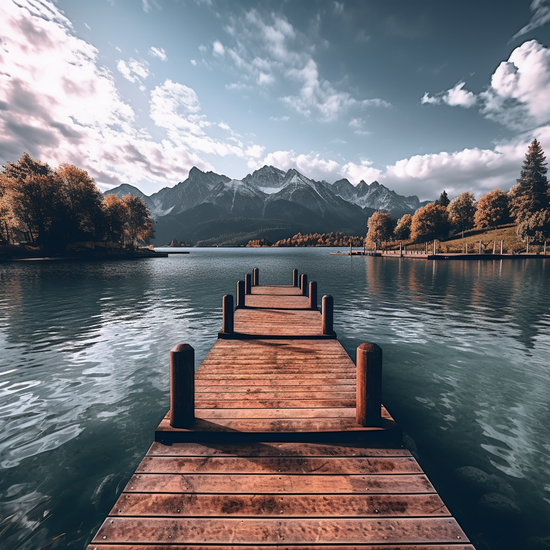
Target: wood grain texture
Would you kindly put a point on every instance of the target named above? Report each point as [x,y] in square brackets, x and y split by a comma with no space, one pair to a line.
[300,482]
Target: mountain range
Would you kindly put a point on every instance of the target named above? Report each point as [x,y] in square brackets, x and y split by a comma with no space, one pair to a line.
[210,209]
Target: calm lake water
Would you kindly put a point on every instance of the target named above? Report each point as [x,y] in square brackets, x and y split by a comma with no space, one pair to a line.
[84,359]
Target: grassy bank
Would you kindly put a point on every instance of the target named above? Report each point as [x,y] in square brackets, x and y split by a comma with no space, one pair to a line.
[457,243]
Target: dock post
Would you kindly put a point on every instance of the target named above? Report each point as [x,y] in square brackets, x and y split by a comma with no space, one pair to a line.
[369,385]
[327,312]
[294,277]
[248,284]
[182,386]
[501,241]
[228,314]
[240,293]
[256,276]
[303,283]
[313,295]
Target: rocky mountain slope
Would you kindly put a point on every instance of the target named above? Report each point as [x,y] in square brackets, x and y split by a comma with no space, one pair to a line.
[210,208]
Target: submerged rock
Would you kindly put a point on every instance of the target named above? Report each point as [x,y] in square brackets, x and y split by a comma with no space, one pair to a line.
[498,507]
[471,479]
[476,481]
[409,443]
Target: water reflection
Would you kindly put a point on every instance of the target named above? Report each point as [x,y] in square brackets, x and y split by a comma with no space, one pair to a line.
[84,368]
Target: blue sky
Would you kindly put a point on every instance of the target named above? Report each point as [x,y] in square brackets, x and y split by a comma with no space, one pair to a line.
[421,96]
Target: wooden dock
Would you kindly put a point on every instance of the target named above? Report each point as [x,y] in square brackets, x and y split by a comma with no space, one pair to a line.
[273,452]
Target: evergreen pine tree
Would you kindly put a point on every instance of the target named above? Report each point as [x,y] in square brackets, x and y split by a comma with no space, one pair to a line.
[443,199]
[530,195]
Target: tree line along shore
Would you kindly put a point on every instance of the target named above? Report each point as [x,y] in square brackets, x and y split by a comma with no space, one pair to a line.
[520,219]
[62,211]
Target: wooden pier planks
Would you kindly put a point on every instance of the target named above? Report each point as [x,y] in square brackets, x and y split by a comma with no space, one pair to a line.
[291,388]
[310,495]
[315,490]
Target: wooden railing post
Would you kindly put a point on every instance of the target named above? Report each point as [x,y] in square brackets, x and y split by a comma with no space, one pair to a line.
[294,277]
[313,295]
[228,314]
[182,386]
[240,294]
[303,283]
[369,385]
[248,283]
[327,312]
[256,276]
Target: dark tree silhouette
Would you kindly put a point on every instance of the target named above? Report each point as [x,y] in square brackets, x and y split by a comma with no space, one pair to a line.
[461,211]
[531,192]
[443,200]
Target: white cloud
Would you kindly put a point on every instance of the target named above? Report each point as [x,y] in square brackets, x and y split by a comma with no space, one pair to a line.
[265,79]
[476,170]
[357,172]
[455,97]
[267,49]
[60,105]
[218,48]
[133,70]
[255,151]
[158,52]
[176,108]
[193,62]
[338,8]
[519,94]
[427,98]
[540,17]
[149,4]
[358,125]
[458,97]
[311,165]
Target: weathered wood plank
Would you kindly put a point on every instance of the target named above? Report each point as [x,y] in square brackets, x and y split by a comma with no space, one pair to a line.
[278,381]
[262,377]
[199,505]
[276,290]
[237,494]
[212,414]
[274,403]
[270,388]
[277,393]
[290,465]
[280,531]
[271,449]
[277,302]
[272,425]
[279,483]
[460,546]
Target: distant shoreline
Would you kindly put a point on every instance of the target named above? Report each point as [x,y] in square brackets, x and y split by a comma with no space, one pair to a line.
[17,256]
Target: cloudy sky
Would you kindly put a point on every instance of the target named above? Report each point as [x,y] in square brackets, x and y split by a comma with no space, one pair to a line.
[421,96]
